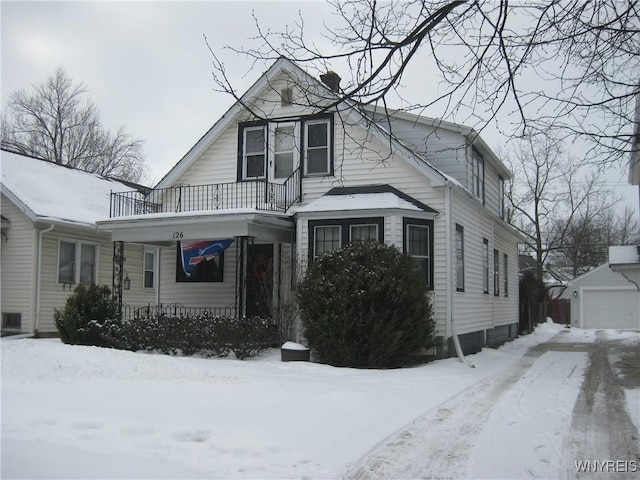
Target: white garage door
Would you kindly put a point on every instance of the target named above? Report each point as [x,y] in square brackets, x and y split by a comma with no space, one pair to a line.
[611,309]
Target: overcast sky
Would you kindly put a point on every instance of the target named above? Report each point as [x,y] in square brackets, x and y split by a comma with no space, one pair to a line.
[147,66]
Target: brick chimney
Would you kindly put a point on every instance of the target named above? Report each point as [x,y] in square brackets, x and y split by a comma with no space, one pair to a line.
[332,80]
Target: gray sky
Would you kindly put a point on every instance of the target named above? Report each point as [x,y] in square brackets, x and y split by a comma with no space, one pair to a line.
[147,66]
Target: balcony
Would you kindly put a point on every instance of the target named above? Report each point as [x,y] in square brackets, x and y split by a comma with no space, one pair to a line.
[258,195]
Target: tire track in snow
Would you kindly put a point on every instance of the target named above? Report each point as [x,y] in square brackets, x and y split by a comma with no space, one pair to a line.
[429,447]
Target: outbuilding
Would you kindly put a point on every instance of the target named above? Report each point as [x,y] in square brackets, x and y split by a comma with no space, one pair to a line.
[602,298]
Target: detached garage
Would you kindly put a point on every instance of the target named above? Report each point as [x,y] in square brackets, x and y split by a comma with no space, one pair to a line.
[603,299]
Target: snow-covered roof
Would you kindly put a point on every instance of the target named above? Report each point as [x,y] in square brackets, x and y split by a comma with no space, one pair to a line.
[373,197]
[624,255]
[47,191]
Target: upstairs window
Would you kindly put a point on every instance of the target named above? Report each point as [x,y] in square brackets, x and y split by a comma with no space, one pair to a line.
[318,151]
[476,174]
[255,152]
[273,150]
[501,199]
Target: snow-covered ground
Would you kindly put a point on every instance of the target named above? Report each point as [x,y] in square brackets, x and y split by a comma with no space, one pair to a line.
[84,412]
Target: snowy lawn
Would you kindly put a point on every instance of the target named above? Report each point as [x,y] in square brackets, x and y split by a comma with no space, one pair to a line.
[85,412]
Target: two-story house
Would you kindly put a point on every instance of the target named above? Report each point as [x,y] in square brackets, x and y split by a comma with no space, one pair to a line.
[291,172]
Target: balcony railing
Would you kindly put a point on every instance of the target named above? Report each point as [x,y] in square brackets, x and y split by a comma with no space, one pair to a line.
[259,194]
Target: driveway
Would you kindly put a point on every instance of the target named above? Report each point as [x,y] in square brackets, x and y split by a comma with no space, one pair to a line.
[564,402]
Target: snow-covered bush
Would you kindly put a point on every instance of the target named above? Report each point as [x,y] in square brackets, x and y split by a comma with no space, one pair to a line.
[88,303]
[365,306]
[205,335]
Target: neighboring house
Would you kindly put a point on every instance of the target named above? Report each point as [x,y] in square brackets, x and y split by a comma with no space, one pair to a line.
[625,261]
[603,299]
[50,242]
[276,182]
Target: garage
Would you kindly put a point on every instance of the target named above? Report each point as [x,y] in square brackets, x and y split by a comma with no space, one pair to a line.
[602,298]
[611,308]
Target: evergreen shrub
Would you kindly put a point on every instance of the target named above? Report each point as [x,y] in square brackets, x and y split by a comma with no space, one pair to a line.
[89,303]
[365,306]
[204,335]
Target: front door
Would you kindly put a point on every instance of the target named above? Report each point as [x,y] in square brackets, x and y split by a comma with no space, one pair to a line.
[259,280]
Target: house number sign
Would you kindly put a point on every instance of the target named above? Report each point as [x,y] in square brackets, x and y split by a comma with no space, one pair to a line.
[178,235]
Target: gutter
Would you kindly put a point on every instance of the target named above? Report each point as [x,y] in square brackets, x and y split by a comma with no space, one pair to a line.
[36,322]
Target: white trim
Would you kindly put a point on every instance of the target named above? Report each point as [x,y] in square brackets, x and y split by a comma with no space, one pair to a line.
[154,251]
[78,260]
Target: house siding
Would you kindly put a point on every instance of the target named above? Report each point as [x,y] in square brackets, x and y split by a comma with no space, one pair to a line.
[445,149]
[18,265]
[53,295]
[473,309]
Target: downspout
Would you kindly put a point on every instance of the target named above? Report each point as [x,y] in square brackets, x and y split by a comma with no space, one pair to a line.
[450,268]
[36,321]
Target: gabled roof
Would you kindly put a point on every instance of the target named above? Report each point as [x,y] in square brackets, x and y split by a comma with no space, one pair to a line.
[470,134]
[46,191]
[285,65]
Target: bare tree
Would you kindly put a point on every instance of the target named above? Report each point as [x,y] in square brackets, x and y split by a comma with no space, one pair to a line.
[548,197]
[572,66]
[54,122]
[588,237]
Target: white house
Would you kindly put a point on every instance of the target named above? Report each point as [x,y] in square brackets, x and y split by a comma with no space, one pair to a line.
[290,172]
[50,242]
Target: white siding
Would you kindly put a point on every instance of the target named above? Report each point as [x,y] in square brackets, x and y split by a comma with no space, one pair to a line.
[17,265]
[134,269]
[473,309]
[445,149]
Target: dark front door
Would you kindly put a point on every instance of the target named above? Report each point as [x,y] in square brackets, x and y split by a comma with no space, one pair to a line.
[259,280]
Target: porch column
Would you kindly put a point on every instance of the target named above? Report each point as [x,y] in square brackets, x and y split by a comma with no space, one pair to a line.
[118,275]
[241,276]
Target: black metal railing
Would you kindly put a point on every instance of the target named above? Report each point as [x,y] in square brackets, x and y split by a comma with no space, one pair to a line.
[130,312]
[259,195]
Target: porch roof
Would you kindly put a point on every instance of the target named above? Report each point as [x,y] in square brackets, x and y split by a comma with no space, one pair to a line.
[369,197]
[164,228]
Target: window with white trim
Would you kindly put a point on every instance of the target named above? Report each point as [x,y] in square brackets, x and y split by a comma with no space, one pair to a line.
[333,234]
[327,239]
[501,198]
[275,149]
[459,258]
[418,242]
[317,147]
[254,152]
[506,275]
[476,174]
[485,265]
[496,272]
[286,150]
[363,233]
[149,267]
[77,262]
